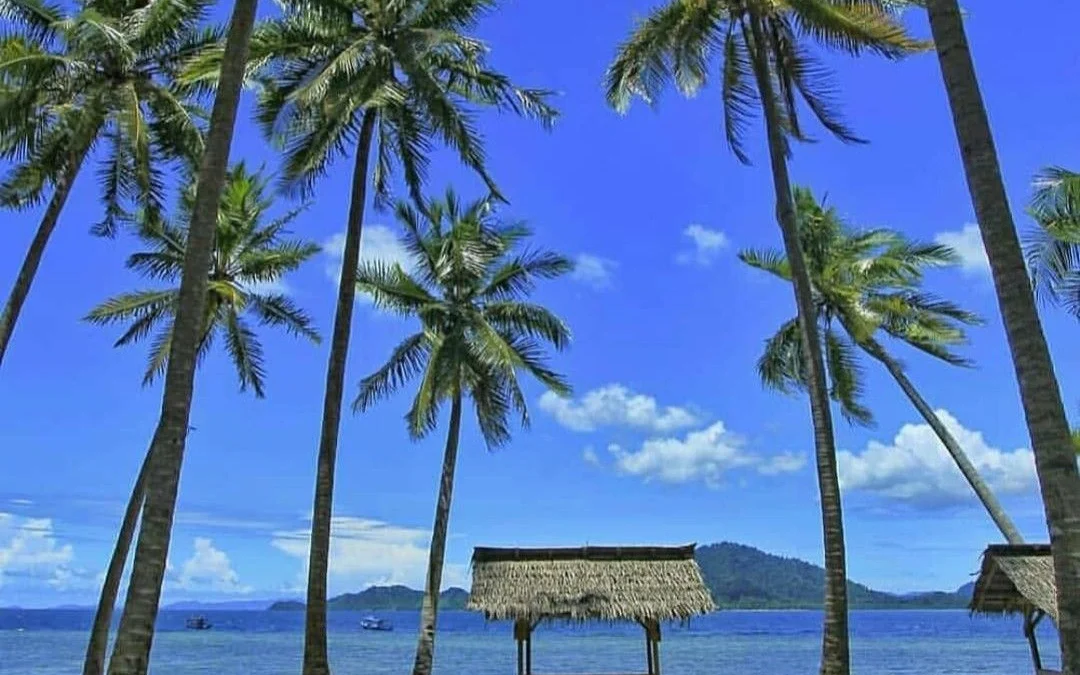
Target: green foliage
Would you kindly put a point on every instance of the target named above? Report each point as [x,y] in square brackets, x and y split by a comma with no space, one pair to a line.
[679,42]
[467,288]
[102,75]
[384,598]
[251,255]
[862,282]
[324,63]
[1052,249]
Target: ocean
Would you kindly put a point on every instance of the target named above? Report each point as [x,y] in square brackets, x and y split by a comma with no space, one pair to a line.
[914,642]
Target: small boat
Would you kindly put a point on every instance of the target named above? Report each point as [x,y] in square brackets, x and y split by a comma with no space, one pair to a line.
[197,623]
[371,623]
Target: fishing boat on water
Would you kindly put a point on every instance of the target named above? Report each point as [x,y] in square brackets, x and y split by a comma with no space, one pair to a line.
[372,623]
[197,623]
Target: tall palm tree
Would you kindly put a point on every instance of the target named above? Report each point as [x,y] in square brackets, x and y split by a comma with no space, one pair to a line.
[477,332]
[250,255]
[102,75]
[765,62]
[1052,248]
[364,76]
[865,283]
[131,651]
[1044,411]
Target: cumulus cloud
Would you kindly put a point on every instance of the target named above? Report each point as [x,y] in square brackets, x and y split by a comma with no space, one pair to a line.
[29,549]
[209,569]
[967,242]
[593,271]
[704,455]
[378,242]
[706,246]
[365,552]
[915,467]
[615,405]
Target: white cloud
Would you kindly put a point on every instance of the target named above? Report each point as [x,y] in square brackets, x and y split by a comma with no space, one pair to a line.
[365,552]
[967,242]
[21,502]
[707,245]
[915,468]
[615,405]
[29,548]
[209,569]
[785,462]
[593,271]
[378,242]
[703,455]
[590,456]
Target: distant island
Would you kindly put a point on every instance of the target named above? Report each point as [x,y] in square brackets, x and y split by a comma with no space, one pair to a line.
[738,576]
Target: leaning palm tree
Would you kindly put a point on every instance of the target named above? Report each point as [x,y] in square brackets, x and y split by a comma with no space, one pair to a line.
[865,283]
[368,76]
[1052,248]
[101,75]
[250,257]
[477,333]
[131,651]
[765,62]
[1044,411]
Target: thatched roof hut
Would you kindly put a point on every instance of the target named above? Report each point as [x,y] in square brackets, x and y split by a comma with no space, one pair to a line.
[646,584]
[1017,579]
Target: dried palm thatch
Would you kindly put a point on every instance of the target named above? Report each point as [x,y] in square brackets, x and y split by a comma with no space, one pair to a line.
[1016,580]
[638,583]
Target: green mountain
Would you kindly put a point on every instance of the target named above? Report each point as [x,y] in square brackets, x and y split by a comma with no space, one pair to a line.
[739,577]
[385,598]
[743,577]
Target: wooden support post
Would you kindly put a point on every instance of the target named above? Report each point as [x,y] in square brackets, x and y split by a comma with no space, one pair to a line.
[528,654]
[1031,620]
[652,645]
[648,653]
[521,632]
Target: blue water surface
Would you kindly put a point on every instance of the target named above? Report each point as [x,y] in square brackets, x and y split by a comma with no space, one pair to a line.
[941,642]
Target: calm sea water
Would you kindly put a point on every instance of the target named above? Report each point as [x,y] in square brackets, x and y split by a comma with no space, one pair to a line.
[51,642]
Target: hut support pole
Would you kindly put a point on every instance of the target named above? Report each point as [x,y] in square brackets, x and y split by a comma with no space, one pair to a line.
[652,645]
[1031,619]
[521,634]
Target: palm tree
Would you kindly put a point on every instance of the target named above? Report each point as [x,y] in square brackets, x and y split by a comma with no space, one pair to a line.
[131,651]
[1044,411]
[1053,248]
[249,256]
[102,75]
[368,76]
[765,62]
[477,332]
[866,282]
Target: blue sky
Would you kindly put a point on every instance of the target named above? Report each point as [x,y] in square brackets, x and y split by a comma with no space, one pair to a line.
[669,437]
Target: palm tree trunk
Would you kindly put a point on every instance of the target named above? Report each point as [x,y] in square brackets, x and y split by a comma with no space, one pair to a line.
[1049,430]
[131,653]
[982,490]
[316,661]
[94,663]
[835,651]
[21,289]
[425,645]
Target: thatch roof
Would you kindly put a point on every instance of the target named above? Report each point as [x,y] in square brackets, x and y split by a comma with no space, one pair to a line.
[595,582]
[1015,579]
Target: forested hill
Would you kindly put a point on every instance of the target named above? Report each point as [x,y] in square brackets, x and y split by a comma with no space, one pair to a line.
[739,577]
[744,577]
